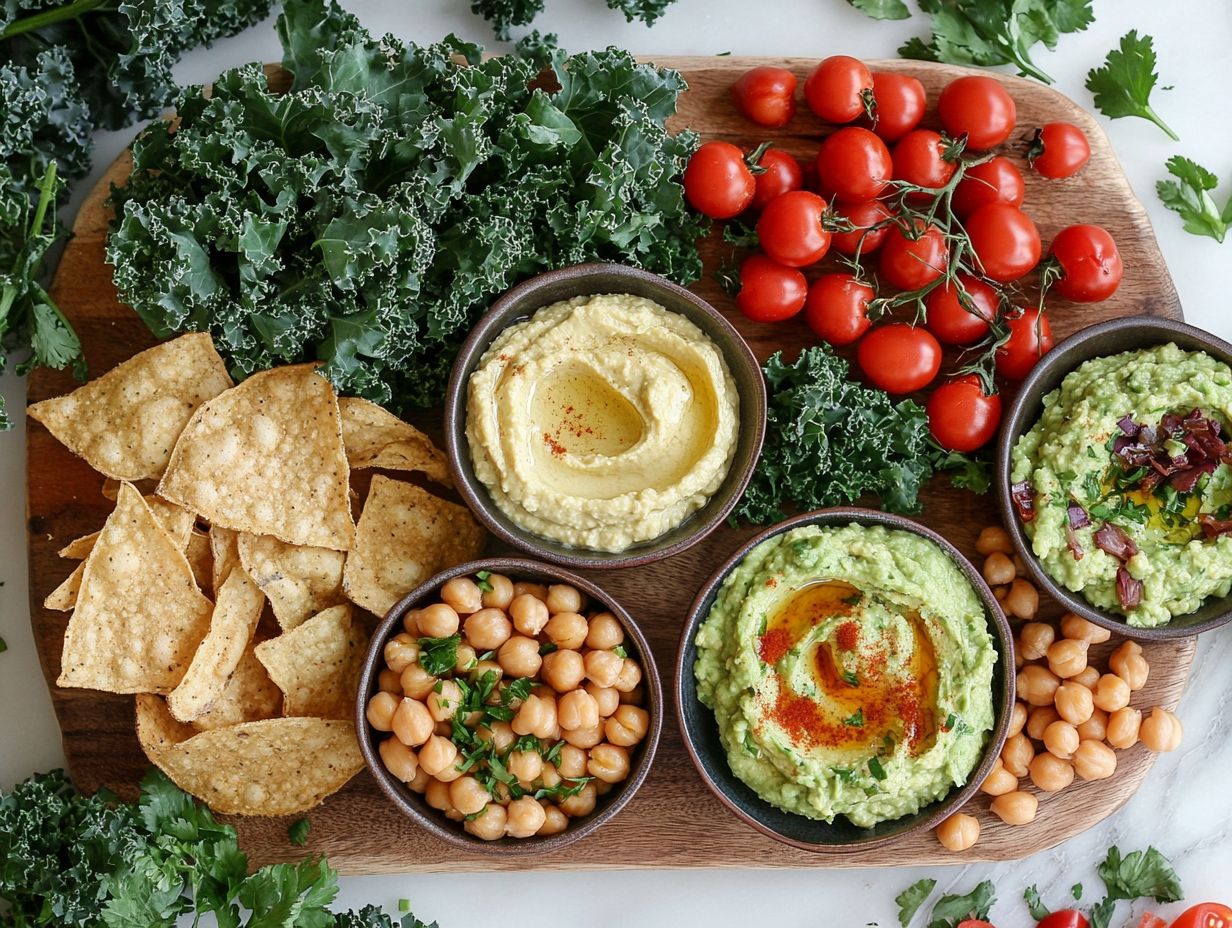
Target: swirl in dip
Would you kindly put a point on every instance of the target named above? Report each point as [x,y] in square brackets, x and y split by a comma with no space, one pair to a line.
[602,421]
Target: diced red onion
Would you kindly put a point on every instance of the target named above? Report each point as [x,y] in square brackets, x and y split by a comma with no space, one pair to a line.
[1129,590]
[1213,527]
[1078,517]
[1128,426]
[1023,498]
[1113,540]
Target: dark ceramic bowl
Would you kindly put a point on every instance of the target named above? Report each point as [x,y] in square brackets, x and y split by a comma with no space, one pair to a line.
[701,731]
[580,280]
[413,805]
[1107,338]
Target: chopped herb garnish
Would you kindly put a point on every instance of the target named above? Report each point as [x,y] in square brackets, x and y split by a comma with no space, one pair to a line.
[1035,905]
[875,768]
[297,833]
[547,648]
[851,678]
[911,898]
[439,655]
[952,909]
[620,651]
[750,746]
[1076,891]
[855,720]
[483,584]
[560,791]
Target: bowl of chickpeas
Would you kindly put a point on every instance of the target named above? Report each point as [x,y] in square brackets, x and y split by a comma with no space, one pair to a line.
[509,706]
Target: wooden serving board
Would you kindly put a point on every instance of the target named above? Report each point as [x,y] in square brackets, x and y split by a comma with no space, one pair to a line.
[673,821]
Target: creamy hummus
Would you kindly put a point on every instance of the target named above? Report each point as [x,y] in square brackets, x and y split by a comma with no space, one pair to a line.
[602,421]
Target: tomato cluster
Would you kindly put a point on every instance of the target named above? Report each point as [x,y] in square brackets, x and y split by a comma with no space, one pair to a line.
[923,220]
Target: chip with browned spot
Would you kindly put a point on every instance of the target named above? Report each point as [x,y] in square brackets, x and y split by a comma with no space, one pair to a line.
[299,581]
[375,437]
[316,664]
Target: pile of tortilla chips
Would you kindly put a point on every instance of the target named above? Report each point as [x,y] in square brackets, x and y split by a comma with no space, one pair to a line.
[236,596]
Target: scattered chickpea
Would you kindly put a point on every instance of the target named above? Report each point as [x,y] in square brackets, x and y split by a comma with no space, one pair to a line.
[464,595]
[417,682]
[1037,685]
[959,832]
[1128,663]
[567,630]
[529,614]
[412,723]
[400,652]
[389,681]
[440,620]
[1074,626]
[1111,693]
[1051,773]
[1123,727]
[537,590]
[1018,718]
[444,701]
[1094,760]
[1068,657]
[554,821]
[993,539]
[1023,600]
[609,763]
[1039,719]
[1016,808]
[380,711]
[563,670]
[398,759]
[1061,739]
[603,667]
[488,824]
[605,632]
[1034,639]
[998,569]
[627,726]
[577,709]
[1088,678]
[500,594]
[1095,728]
[467,795]
[606,697]
[1075,703]
[487,629]
[1161,731]
[1017,754]
[525,765]
[519,656]
[524,817]
[999,780]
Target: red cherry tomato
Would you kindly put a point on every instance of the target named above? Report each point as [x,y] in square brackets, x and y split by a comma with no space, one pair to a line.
[909,264]
[962,417]
[864,237]
[899,102]
[979,107]
[975,923]
[854,165]
[1205,915]
[1151,920]
[919,159]
[956,324]
[836,88]
[1064,918]
[718,182]
[995,181]
[1090,263]
[769,291]
[781,174]
[1059,149]
[899,358]
[1005,241]
[1030,339]
[837,308]
[790,229]
[766,96]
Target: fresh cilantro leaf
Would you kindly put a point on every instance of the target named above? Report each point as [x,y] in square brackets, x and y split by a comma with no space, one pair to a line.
[483,583]
[620,651]
[282,895]
[297,833]
[1101,913]
[1123,85]
[547,648]
[750,746]
[882,9]
[1140,874]
[1191,198]
[1076,891]
[952,909]
[560,791]
[966,472]
[875,768]
[911,898]
[1035,905]
[855,720]
[851,678]
[439,655]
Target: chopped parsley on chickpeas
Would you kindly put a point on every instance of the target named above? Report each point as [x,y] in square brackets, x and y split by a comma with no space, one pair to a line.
[511,705]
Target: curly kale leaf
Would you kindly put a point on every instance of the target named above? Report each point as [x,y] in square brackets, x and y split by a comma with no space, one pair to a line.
[502,15]
[648,11]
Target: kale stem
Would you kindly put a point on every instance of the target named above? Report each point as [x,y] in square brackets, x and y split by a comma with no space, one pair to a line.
[50,17]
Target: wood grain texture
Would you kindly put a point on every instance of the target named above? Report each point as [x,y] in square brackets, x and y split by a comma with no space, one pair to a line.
[673,821]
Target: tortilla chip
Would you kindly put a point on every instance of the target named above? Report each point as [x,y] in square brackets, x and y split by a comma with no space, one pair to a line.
[201,560]
[316,665]
[224,552]
[236,614]
[126,422]
[139,615]
[272,767]
[64,597]
[375,437]
[249,696]
[298,581]
[404,536]
[266,457]
[176,520]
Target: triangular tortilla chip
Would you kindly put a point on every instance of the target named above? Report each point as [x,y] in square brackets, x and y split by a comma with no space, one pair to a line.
[176,520]
[316,665]
[249,696]
[201,560]
[404,536]
[266,457]
[64,597]
[225,552]
[375,437]
[298,581]
[139,615]
[126,422]
[236,614]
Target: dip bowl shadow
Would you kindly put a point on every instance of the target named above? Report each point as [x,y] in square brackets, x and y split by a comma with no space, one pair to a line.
[701,731]
[414,806]
[583,280]
[1130,333]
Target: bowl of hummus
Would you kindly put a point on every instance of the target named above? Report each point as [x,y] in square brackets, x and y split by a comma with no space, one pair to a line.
[1115,476]
[601,416]
[842,680]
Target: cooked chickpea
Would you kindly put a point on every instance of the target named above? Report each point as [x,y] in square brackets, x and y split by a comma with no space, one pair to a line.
[581,804]
[412,723]
[1061,739]
[627,726]
[607,698]
[1034,639]
[1161,731]
[419,783]
[487,629]
[1067,657]
[380,711]
[609,763]
[563,670]
[1095,728]
[554,821]
[499,593]
[1039,719]
[603,667]
[438,755]
[440,620]
[410,623]
[564,598]
[630,676]
[390,681]
[536,716]
[1016,754]
[444,700]
[485,667]
[1051,773]
[994,539]
[1128,663]
[1075,703]
[1094,760]
[959,832]
[585,737]
[463,595]
[1088,678]
[436,795]
[1016,808]
[1000,592]
[417,682]
[577,709]
[524,817]
[529,614]
[1075,626]
[400,652]
[1111,693]
[1023,600]
[467,659]
[489,824]
[1037,685]
[571,764]
[998,569]
[549,777]
[398,759]
[1019,567]
[501,734]
[519,656]
[467,795]
[1018,718]
[635,696]
[1123,726]
[605,632]
[567,630]
[999,780]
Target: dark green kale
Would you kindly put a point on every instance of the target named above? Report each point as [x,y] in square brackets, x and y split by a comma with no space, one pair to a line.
[502,15]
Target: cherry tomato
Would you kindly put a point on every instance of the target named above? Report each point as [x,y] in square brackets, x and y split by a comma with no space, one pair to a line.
[718,182]
[899,358]
[995,181]
[836,89]
[854,165]
[1205,915]
[766,96]
[963,418]
[769,291]
[1064,918]
[919,159]
[1090,263]
[909,264]
[1030,339]
[1151,920]
[975,923]
[863,216]
[1005,241]
[979,107]
[837,308]
[790,228]
[951,321]
[899,102]
[1059,149]
[781,174]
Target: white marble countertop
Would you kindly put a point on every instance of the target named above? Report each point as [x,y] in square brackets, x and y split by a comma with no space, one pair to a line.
[1185,807]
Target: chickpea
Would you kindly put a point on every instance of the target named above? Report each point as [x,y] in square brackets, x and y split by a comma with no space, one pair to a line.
[1019,567]
[994,539]
[529,614]
[537,590]
[443,702]
[1075,703]
[1016,808]
[1088,678]
[519,656]
[635,696]
[1018,718]
[549,777]
[581,804]
[585,737]
[1037,686]
[564,598]
[467,795]
[1075,626]
[1123,726]
[577,709]
[609,763]
[1051,773]
[1061,739]
[438,755]
[1034,639]
[398,759]
[380,711]
[419,783]
[1016,755]
[467,659]
[412,723]
[410,623]
[1161,731]
[998,569]
[1039,719]
[487,629]
[602,788]
[607,697]
[501,734]
[1023,600]
[401,651]
[436,795]
[1094,760]
[605,632]
[417,682]
[627,726]
[554,821]
[1000,592]
[463,595]
[1128,663]
[483,668]
[630,676]
[1111,693]
[603,667]
[1068,657]
[536,716]
[440,620]
[567,630]
[571,764]
[499,593]
[959,832]
[563,670]
[524,817]
[1095,728]
[489,824]
[390,681]
[999,780]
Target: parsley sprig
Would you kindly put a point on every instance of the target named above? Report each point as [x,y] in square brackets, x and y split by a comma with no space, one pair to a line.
[1189,196]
